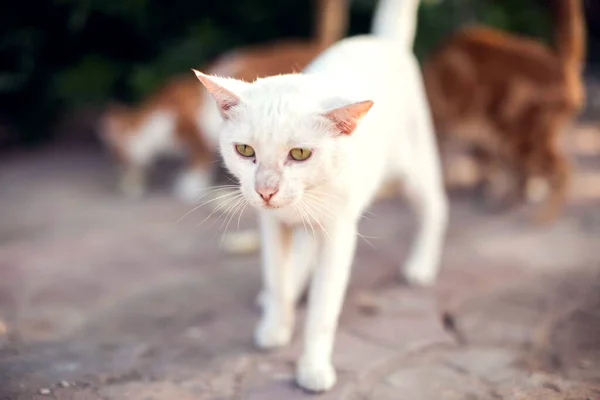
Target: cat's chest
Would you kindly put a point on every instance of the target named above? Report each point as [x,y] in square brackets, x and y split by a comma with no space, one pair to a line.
[289,217]
[304,216]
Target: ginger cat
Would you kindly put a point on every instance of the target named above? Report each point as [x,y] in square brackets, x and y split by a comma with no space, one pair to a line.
[510,98]
[167,123]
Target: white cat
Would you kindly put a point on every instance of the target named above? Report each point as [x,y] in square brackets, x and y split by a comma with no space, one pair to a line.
[310,151]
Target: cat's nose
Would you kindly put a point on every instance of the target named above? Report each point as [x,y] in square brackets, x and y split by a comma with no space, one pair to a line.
[267,192]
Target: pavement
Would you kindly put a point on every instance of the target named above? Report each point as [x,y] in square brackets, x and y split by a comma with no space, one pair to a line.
[105,298]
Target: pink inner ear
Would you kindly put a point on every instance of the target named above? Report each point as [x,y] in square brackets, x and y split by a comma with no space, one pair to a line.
[346,118]
[225,99]
[227,105]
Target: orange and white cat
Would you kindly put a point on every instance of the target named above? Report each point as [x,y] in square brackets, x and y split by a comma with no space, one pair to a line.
[510,98]
[167,123]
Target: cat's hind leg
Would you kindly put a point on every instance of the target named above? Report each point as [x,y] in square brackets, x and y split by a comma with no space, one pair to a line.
[133,180]
[499,188]
[557,171]
[428,200]
[424,188]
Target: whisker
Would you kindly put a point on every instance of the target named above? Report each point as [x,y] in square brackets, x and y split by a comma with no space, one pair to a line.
[301,216]
[322,194]
[203,204]
[317,195]
[240,216]
[304,213]
[239,206]
[229,211]
[223,216]
[311,213]
[366,240]
[219,207]
[228,206]
[322,207]
[214,189]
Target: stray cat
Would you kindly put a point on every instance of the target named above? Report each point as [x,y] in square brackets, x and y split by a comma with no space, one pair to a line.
[510,98]
[168,122]
[310,151]
[164,124]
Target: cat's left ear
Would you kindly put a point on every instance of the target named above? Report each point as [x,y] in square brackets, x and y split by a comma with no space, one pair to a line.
[346,118]
[225,97]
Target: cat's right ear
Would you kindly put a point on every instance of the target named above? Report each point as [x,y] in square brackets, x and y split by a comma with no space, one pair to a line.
[226,99]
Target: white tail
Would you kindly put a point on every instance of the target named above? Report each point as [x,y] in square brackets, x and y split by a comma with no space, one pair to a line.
[396,19]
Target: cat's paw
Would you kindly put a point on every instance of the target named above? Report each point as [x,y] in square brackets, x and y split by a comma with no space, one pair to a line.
[499,194]
[132,190]
[261,299]
[316,376]
[536,190]
[419,272]
[190,186]
[271,334]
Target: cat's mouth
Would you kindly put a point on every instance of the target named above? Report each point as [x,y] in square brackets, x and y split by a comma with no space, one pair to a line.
[272,206]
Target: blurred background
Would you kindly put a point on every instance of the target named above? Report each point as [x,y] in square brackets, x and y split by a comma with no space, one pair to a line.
[102,297]
[63,59]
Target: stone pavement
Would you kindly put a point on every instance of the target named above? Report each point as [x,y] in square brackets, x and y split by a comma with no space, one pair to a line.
[104,298]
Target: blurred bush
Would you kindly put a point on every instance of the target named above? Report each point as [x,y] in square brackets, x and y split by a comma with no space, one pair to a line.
[60,55]
[438,18]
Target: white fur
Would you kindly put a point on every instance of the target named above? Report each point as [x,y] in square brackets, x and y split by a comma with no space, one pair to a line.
[321,199]
[208,116]
[191,185]
[210,121]
[396,19]
[155,137]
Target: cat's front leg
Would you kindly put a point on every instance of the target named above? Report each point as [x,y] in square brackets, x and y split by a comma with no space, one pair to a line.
[193,182]
[304,251]
[315,371]
[277,322]
[132,182]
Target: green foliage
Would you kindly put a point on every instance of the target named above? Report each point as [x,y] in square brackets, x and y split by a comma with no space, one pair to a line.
[90,80]
[58,55]
[439,18]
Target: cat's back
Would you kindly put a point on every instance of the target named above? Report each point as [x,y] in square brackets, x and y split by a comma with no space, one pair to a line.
[368,66]
[490,54]
[270,59]
[363,54]
[180,94]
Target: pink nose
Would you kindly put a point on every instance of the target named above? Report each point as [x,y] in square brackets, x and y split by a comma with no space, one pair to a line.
[267,193]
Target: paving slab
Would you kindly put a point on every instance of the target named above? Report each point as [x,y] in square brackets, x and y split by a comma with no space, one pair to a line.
[125,300]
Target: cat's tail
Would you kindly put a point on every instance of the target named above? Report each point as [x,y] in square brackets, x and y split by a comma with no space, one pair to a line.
[570,38]
[331,21]
[396,19]
[570,43]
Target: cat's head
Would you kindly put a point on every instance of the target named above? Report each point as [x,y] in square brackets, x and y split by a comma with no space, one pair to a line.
[280,140]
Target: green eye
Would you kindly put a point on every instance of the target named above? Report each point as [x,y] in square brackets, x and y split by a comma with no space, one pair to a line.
[244,150]
[300,154]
